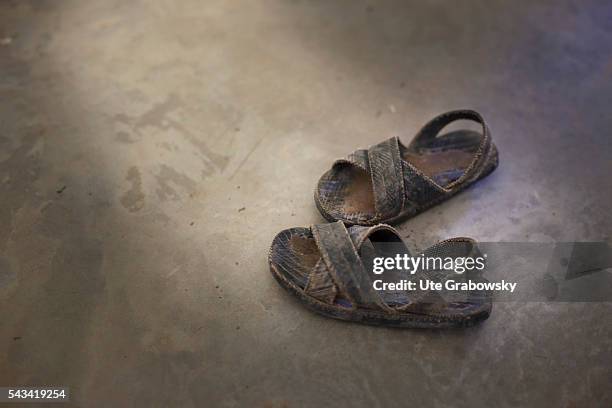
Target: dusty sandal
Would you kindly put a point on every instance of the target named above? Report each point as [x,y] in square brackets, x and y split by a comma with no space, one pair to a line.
[389,181]
[327,268]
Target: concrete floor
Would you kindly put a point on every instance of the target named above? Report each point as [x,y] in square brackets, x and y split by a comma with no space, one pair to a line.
[150,150]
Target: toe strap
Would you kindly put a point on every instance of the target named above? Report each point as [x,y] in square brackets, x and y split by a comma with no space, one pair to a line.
[345,267]
[385,164]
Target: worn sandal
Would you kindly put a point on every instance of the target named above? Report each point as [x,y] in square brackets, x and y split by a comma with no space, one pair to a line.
[389,182]
[326,268]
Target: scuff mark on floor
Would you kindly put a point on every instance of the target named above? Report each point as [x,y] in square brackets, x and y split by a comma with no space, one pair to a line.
[133,199]
[159,117]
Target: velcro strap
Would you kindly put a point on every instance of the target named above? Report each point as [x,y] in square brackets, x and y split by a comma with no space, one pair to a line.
[345,266]
[387,177]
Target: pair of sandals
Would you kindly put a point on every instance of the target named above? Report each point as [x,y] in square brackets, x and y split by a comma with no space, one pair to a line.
[324,265]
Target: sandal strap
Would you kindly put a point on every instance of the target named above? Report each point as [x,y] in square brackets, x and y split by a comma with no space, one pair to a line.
[386,172]
[392,177]
[345,266]
[434,126]
[421,189]
[383,163]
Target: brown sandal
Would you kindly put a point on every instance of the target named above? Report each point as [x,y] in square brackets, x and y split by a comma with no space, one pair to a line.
[323,266]
[389,182]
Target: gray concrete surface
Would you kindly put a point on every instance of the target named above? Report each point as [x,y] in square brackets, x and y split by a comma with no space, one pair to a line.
[150,150]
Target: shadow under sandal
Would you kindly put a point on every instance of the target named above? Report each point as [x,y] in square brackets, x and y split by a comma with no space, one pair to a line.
[329,268]
[389,182]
